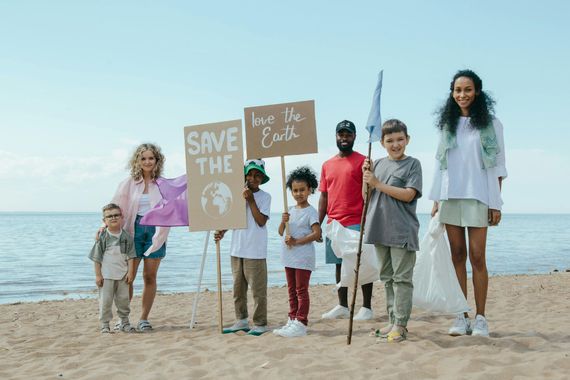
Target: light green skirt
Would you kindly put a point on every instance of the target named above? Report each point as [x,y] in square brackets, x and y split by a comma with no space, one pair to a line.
[464,213]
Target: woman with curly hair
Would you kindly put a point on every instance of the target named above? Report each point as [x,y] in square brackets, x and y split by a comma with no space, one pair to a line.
[136,195]
[467,186]
[298,252]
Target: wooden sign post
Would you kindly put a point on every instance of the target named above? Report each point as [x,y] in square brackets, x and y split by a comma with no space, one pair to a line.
[280,130]
[214,168]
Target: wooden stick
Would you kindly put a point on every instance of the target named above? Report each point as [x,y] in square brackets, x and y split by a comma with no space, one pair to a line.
[220,317]
[285,205]
[197,296]
[359,254]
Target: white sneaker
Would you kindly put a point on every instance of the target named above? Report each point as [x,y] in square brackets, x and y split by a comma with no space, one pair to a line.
[364,314]
[294,330]
[480,326]
[278,331]
[461,326]
[337,312]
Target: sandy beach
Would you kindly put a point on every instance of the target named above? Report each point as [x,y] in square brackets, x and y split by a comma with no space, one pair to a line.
[528,318]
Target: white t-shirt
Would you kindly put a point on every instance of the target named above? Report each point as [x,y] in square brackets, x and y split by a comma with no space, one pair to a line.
[465,177]
[251,242]
[144,204]
[300,222]
[115,264]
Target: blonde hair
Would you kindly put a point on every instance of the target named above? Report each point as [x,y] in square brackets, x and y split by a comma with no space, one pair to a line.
[134,164]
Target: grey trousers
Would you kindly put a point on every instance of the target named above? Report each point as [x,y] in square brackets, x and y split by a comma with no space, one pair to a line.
[118,291]
[252,272]
[396,272]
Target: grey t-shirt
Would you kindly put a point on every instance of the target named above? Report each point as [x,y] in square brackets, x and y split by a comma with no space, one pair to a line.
[391,222]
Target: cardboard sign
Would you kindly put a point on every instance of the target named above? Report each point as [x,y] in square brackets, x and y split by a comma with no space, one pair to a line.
[281,129]
[214,166]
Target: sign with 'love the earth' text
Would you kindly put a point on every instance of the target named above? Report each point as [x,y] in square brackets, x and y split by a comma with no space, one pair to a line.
[281,129]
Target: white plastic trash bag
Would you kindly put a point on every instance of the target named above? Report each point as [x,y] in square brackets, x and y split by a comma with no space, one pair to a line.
[436,287]
[344,242]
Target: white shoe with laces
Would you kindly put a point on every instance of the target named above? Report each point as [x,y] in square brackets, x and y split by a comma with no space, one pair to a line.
[364,314]
[278,331]
[337,312]
[461,326]
[295,329]
[480,326]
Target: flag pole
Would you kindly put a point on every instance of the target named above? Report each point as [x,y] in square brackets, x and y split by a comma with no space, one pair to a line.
[373,126]
[197,296]
[359,254]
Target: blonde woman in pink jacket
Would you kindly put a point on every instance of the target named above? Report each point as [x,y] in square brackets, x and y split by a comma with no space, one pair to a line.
[136,195]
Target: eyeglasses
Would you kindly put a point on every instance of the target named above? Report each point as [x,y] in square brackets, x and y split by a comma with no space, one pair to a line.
[258,162]
[112,216]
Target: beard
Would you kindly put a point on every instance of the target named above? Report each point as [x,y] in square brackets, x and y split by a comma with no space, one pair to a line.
[346,148]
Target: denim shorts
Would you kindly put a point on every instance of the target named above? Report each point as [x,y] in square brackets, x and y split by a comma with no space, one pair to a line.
[143,241]
[330,257]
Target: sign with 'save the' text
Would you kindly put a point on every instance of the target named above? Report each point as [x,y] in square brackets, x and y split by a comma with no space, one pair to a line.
[214,167]
[281,129]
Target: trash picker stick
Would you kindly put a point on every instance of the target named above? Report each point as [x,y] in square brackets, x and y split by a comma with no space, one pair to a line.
[220,317]
[197,296]
[359,254]
[284,180]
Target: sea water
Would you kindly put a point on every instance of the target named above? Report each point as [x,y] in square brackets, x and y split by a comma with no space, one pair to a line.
[43,256]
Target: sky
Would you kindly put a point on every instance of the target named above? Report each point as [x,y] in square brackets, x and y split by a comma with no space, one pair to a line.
[82,83]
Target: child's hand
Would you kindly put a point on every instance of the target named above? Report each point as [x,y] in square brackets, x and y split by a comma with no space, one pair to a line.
[285,217]
[99,232]
[219,235]
[130,277]
[248,194]
[290,241]
[99,281]
[369,178]
[366,165]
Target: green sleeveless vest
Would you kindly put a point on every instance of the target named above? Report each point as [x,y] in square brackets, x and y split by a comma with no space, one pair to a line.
[489,146]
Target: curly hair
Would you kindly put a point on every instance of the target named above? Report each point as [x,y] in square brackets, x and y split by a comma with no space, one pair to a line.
[481,111]
[305,174]
[134,164]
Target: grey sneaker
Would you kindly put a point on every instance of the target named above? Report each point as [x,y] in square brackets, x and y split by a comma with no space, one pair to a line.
[239,325]
[258,330]
[480,326]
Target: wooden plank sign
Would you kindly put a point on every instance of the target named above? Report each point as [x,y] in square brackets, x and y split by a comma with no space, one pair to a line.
[281,129]
[214,166]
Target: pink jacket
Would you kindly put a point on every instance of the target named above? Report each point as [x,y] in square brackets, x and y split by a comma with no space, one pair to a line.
[127,197]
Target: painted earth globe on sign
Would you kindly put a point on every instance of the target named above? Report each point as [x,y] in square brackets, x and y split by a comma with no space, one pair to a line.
[216,199]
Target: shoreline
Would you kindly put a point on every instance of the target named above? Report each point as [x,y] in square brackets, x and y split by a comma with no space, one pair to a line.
[92,294]
[527,316]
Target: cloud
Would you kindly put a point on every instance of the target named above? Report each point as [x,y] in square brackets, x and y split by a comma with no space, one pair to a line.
[538,179]
[61,169]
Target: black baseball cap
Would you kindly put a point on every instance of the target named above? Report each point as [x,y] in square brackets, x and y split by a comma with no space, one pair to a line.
[346,125]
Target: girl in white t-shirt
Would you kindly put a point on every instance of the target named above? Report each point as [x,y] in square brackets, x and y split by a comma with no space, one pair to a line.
[298,252]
